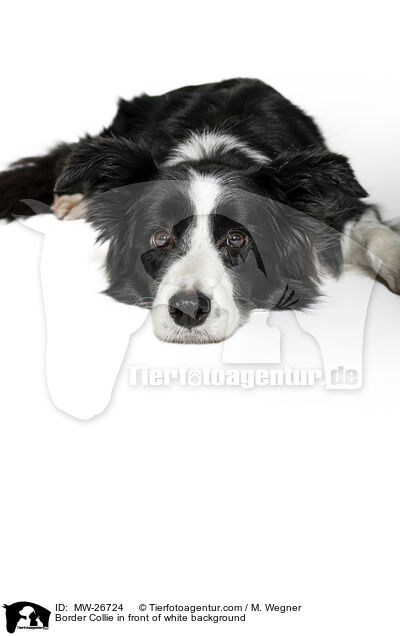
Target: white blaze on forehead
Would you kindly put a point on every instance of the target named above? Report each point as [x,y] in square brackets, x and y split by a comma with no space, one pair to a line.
[208,144]
[201,268]
[204,193]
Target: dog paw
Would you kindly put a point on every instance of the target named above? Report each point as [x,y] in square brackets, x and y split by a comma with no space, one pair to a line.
[390,268]
[69,207]
[391,276]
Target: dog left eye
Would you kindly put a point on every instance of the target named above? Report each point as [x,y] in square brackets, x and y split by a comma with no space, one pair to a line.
[161,238]
[236,239]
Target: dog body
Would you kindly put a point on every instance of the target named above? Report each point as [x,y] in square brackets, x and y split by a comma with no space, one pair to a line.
[215,200]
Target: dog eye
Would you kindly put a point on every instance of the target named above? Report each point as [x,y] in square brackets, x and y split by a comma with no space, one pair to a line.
[162,238]
[236,239]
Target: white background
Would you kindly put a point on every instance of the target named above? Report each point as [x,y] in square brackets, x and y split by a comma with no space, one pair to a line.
[201,495]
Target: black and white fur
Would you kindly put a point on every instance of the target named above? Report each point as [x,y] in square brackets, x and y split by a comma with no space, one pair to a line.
[237,181]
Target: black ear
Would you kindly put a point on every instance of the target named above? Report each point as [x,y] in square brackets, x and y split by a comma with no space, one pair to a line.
[102,163]
[314,180]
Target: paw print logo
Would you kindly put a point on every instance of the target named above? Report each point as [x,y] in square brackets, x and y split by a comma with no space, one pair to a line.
[194,377]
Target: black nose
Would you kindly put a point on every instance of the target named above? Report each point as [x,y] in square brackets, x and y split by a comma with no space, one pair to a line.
[189,309]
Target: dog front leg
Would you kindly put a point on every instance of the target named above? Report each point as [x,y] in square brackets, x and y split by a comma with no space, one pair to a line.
[372,245]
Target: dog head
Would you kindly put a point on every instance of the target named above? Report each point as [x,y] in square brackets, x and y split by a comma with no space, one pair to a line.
[204,243]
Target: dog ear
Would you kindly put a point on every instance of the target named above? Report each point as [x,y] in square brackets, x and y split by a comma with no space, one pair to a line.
[100,164]
[315,181]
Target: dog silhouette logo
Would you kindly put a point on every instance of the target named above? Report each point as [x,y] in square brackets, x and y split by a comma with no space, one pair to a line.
[26,615]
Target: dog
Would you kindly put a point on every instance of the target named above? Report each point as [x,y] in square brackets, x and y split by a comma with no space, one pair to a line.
[215,200]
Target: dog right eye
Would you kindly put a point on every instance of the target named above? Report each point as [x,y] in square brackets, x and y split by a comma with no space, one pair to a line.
[162,238]
[236,239]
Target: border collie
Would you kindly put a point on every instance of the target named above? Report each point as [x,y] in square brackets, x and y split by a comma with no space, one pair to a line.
[215,200]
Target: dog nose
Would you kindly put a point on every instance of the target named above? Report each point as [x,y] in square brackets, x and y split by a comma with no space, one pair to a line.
[189,309]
